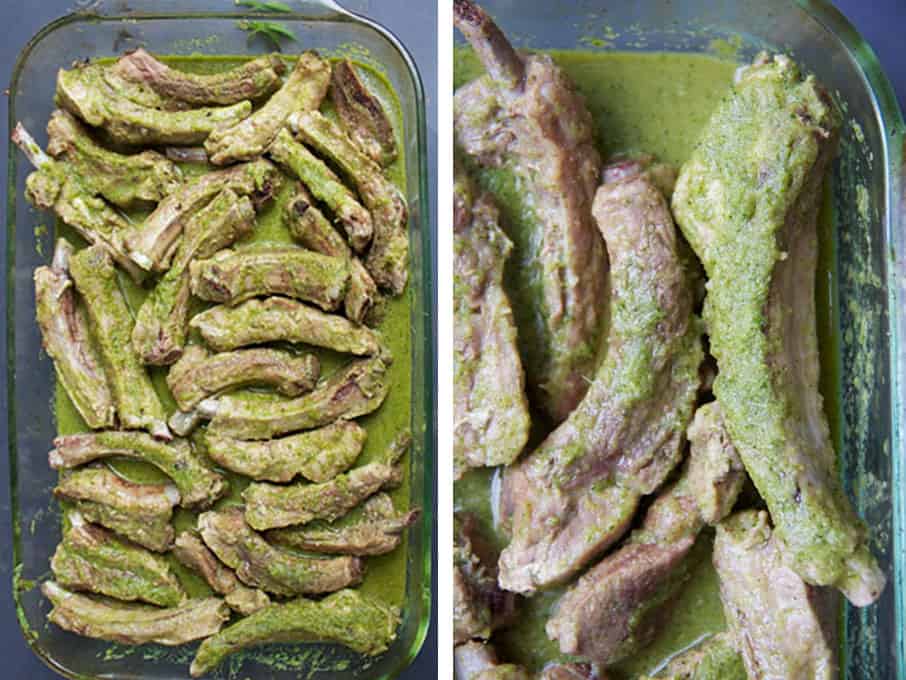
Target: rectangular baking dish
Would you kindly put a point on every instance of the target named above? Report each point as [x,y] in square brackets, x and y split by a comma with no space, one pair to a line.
[206,27]
[868,276]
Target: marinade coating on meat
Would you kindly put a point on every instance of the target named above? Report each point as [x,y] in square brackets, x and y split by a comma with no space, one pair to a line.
[151,245]
[135,624]
[137,404]
[773,615]
[362,623]
[309,227]
[713,659]
[94,559]
[253,80]
[139,512]
[317,455]
[124,180]
[570,671]
[271,568]
[527,116]
[191,552]
[361,114]
[274,319]
[54,186]
[355,220]
[67,339]
[234,276]
[159,335]
[305,88]
[356,390]
[199,374]
[575,495]
[617,607]
[479,606]
[748,202]
[388,258]
[271,506]
[478,661]
[373,528]
[198,485]
[491,417]
[88,94]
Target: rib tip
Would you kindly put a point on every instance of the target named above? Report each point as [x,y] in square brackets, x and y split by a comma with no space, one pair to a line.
[54,459]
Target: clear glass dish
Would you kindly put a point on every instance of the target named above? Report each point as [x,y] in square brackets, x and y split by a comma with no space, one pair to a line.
[867,285]
[206,27]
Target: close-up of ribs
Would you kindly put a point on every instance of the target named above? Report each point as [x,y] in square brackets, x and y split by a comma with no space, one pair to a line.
[760,310]
[527,116]
[576,494]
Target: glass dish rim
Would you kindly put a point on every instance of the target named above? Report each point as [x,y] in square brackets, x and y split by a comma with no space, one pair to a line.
[887,109]
[334,13]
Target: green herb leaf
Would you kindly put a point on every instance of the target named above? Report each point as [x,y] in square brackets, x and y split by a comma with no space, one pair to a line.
[269,30]
[265,5]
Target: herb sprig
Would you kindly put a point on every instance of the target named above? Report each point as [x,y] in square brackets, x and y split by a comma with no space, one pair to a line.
[265,5]
[272,31]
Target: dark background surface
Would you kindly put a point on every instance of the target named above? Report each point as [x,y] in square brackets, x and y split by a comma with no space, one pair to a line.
[881,22]
[415,23]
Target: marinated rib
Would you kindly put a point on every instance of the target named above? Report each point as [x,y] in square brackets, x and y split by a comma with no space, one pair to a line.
[308,225]
[374,528]
[194,554]
[327,188]
[275,570]
[356,390]
[361,114]
[274,319]
[772,614]
[527,116]
[616,608]
[388,258]
[233,276]
[270,506]
[304,89]
[152,244]
[67,340]
[362,623]
[87,93]
[748,201]
[479,606]
[713,659]
[94,559]
[139,512]
[200,374]
[197,484]
[135,624]
[251,81]
[124,180]
[478,661]
[576,494]
[491,418]
[54,186]
[317,455]
[137,404]
[159,335]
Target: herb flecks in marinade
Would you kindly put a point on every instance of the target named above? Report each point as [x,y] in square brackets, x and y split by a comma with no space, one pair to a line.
[748,203]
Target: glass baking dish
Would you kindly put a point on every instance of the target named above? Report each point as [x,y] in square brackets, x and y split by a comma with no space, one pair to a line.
[867,276]
[205,27]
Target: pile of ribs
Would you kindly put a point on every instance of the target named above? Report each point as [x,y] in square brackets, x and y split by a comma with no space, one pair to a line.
[161,176]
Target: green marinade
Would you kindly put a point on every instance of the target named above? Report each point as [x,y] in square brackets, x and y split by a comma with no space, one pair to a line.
[655,103]
[386,574]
